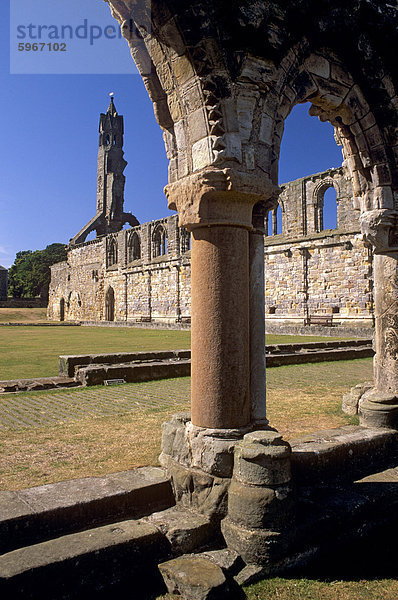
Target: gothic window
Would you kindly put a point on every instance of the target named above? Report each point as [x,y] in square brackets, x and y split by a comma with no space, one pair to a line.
[159,241]
[112,253]
[325,207]
[185,238]
[273,221]
[133,248]
[110,305]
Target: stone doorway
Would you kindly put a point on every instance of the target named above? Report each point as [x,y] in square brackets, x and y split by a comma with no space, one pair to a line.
[110,305]
[62,310]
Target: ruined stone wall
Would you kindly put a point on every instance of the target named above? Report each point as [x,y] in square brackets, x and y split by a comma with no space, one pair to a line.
[313,271]
[307,271]
[155,285]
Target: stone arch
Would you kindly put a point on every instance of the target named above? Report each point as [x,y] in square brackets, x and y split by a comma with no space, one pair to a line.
[133,247]
[110,304]
[159,241]
[318,201]
[325,81]
[73,305]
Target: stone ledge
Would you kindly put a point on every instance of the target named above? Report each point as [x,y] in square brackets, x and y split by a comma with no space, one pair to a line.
[81,564]
[131,373]
[69,363]
[33,515]
[342,454]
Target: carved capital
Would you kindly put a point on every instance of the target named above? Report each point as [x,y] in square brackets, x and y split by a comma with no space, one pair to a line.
[218,197]
[380,229]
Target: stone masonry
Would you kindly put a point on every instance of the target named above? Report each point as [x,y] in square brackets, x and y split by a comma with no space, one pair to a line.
[147,269]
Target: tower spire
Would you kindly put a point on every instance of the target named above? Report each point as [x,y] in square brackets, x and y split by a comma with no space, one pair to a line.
[112,108]
[110,216]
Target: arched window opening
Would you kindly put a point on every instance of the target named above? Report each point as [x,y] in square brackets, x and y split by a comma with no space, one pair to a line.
[110,305]
[279,219]
[185,240]
[134,248]
[62,309]
[107,139]
[273,221]
[159,242]
[330,209]
[114,141]
[112,253]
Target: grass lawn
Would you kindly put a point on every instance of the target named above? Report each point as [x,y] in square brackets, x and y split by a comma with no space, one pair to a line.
[98,440]
[33,351]
[61,434]
[23,315]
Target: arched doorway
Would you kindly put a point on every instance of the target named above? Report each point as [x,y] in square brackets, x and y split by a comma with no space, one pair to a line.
[110,305]
[62,310]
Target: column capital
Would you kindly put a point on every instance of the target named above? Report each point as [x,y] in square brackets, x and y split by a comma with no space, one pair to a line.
[380,229]
[218,197]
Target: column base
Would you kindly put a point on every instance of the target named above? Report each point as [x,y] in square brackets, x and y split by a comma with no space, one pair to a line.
[378,410]
[200,463]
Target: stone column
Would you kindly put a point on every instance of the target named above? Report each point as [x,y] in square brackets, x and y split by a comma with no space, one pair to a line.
[379,406]
[220,327]
[220,220]
[257,320]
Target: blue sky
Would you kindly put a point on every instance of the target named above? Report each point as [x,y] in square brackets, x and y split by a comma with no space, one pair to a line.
[49,131]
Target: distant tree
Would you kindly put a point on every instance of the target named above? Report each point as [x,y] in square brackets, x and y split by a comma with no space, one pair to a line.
[30,274]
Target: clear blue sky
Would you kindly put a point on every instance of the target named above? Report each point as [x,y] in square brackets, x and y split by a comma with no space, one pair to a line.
[49,132]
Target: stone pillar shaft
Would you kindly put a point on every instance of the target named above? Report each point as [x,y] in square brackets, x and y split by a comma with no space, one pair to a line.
[386,316]
[220,327]
[257,329]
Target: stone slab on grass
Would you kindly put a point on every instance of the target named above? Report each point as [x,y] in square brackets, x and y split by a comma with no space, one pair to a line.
[134,372]
[36,514]
[84,562]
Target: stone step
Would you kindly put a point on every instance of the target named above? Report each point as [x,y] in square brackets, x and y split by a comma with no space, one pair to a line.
[117,560]
[37,514]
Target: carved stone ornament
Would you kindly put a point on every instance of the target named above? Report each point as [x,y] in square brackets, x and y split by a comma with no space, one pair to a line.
[379,229]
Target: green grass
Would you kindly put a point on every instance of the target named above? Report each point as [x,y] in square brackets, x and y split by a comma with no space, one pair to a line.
[33,351]
[22,315]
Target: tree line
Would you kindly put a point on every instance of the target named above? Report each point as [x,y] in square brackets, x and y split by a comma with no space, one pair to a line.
[30,274]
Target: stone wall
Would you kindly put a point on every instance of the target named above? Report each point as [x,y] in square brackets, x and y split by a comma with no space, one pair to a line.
[308,271]
[312,271]
[153,283]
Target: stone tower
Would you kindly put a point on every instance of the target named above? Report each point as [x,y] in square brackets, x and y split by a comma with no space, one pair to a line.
[110,217]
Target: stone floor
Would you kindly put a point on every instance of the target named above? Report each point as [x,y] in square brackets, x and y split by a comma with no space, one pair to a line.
[48,408]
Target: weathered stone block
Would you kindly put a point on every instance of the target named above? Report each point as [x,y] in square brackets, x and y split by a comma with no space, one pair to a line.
[195,578]
[185,530]
[262,458]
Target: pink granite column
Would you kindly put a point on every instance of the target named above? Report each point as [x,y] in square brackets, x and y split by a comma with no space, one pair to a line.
[220,327]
